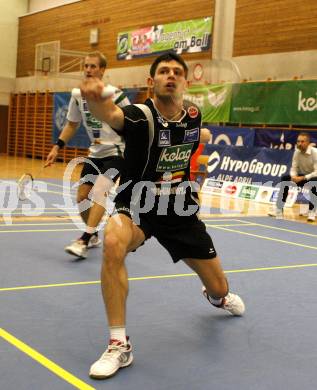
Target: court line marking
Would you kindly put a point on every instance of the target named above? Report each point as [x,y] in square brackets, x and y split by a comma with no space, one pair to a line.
[222,215]
[171,276]
[233,224]
[44,213]
[43,224]
[230,215]
[37,208]
[47,363]
[58,193]
[60,185]
[44,181]
[222,220]
[263,237]
[282,229]
[37,230]
[247,223]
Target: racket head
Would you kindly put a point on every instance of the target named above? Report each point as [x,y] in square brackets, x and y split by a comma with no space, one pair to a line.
[225,72]
[24,186]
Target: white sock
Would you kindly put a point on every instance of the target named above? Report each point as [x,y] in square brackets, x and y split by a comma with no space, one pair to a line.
[118,333]
[90,229]
[215,301]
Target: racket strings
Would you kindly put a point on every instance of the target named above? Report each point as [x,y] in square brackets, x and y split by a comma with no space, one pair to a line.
[24,186]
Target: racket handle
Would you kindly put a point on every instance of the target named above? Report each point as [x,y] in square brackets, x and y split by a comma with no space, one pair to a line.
[108,91]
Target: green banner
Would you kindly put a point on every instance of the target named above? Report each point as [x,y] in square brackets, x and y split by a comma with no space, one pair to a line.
[190,36]
[277,103]
[212,100]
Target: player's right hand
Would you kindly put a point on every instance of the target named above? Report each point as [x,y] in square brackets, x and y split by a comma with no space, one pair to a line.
[92,88]
[51,158]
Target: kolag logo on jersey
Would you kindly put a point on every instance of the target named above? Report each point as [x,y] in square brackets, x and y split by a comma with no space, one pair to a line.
[174,158]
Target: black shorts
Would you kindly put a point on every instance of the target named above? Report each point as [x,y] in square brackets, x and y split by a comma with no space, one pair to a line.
[112,164]
[183,237]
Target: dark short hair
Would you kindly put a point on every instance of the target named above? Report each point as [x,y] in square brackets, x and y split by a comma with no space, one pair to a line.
[100,56]
[167,57]
[304,134]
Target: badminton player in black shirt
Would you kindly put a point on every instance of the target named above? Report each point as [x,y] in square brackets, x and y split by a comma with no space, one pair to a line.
[157,200]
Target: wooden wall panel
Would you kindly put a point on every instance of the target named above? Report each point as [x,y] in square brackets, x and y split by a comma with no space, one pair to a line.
[71,25]
[275,26]
[30,127]
[4,112]
[31,123]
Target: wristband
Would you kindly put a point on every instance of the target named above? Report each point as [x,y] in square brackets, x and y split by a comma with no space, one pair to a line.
[60,143]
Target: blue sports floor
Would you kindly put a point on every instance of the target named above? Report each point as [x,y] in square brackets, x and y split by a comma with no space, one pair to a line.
[52,321]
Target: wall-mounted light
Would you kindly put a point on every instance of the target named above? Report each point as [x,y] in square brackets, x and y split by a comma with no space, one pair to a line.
[94,36]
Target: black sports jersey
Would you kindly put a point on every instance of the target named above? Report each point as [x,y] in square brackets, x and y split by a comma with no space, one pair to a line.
[159,151]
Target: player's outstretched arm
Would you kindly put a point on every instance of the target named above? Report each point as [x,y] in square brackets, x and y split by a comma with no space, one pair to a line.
[100,103]
[67,133]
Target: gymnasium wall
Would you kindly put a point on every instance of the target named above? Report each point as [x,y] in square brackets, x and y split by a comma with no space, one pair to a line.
[275,26]
[40,5]
[267,39]
[9,12]
[276,39]
[71,25]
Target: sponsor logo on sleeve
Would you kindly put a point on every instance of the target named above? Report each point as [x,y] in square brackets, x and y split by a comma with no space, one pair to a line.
[191,135]
[192,111]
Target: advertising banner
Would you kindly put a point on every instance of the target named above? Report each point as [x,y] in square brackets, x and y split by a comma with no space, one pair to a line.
[247,165]
[213,101]
[249,103]
[279,139]
[284,102]
[226,135]
[190,36]
[80,139]
[257,193]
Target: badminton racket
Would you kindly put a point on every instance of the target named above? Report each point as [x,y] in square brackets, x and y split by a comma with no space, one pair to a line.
[25,185]
[225,74]
[223,71]
[220,82]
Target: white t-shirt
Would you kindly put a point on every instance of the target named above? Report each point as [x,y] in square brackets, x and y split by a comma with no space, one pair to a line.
[305,163]
[104,140]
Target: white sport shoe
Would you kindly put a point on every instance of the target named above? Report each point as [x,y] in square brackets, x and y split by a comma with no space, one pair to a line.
[276,212]
[117,355]
[231,302]
[77,248]
[94,242]
[303,210]
[311,216]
